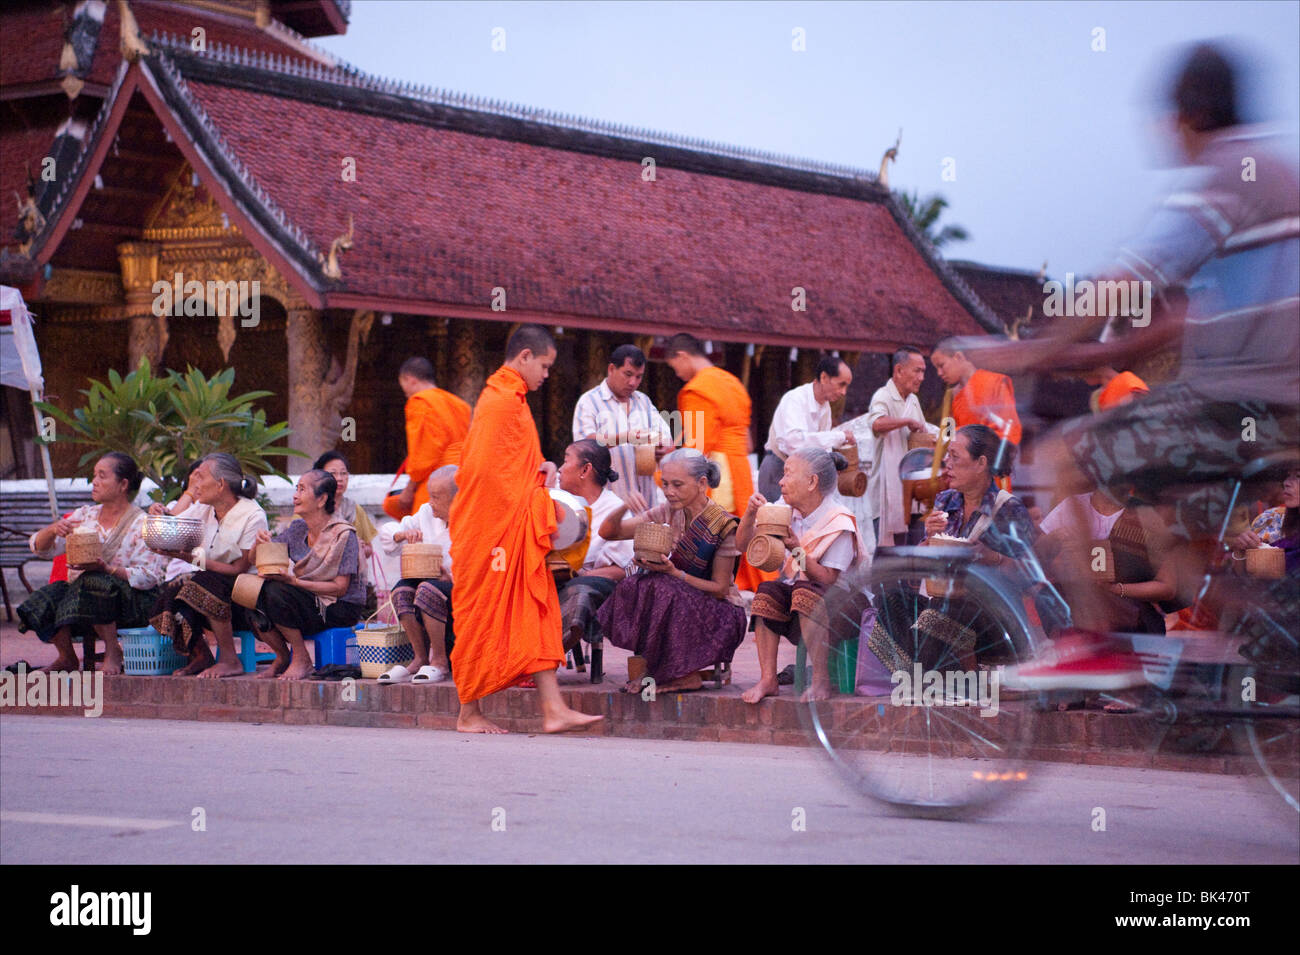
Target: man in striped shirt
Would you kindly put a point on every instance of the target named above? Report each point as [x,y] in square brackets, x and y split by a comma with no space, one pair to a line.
[614,413]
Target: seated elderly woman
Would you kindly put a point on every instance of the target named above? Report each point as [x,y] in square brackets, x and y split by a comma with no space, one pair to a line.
[999,528]
[337,465]
[196,597]
[823,541]
[115,591]
[587,472]
[682,614]
[424,606]
[322,589]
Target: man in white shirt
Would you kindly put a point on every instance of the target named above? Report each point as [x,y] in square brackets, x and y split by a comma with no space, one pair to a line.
[894,414]
[613,413]
[803,419]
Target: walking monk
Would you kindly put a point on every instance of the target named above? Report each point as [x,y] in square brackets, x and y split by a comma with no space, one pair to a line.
[715,411]
[436,423]
[507,611]
[978,396]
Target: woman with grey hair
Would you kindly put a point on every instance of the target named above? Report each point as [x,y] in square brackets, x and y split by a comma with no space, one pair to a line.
[196,596]
[823,541]
[683,613]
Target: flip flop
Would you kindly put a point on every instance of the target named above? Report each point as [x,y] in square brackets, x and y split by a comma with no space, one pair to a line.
[398,674]
[527,683]
[429,674]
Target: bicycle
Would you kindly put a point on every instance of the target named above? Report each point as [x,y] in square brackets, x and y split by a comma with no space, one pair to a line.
[932,610]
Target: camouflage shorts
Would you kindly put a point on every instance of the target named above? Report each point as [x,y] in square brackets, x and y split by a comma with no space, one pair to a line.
[1177,448]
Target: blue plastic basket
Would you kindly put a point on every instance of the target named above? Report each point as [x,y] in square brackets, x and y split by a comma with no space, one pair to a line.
[146,652]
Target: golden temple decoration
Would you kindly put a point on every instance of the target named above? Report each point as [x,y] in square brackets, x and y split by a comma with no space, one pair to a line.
[330,266]
[891,155]
[133,47]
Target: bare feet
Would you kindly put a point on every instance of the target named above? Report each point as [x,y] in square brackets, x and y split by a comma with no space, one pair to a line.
[296,670]
[198,663]
[692,681]
[60,665]
[223,668]
[278,666]
[477,723]
[112,661]
[566,719]
[759,690]
[816,692]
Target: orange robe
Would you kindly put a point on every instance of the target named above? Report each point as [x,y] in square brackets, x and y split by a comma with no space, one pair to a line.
[507,610]
[715,410]
[984,394]
[436,424]
[1118,388]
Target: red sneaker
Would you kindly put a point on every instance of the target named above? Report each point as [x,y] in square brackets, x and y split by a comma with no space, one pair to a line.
[1078,660]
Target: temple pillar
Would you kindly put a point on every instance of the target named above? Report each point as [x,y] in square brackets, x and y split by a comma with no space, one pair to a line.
[146,332]
[320,386]
[596,362]
[467,372]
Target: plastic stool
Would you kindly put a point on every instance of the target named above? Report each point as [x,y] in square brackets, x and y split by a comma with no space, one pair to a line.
[338,645]
[248,654]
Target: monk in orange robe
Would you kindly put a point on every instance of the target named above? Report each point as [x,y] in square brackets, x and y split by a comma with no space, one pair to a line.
[436,424]
[507,610]
[1117,387]
[715,411]
[978,396]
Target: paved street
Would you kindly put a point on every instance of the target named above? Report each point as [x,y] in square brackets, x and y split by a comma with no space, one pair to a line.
[126,791]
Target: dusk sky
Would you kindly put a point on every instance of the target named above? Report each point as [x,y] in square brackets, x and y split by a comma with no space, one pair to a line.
[1054,148]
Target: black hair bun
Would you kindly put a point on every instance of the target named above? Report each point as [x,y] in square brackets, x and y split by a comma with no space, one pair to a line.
[841,462]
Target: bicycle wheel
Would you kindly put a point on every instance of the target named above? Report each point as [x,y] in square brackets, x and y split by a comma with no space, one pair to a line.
[937,738]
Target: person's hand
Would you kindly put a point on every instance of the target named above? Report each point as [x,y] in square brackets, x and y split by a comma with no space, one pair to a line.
[936,522]
[655,566]
[264,537]
[156,509]
[409,537]
[286,578]
[366,550]
[914,425]
[849,438]
[636,502]
[1246,540]
[790,541]
[548,471]
[756,501]
[63,527]
[664,446]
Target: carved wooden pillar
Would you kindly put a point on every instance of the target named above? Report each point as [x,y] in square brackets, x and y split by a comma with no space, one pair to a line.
[468,371]
[147,332]
[308,364]
[597,360]
[561,396]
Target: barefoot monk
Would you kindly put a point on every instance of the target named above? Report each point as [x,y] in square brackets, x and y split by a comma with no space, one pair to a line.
[507,610]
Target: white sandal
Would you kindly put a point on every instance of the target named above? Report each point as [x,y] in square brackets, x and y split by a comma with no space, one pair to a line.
[398,674]
[429,674]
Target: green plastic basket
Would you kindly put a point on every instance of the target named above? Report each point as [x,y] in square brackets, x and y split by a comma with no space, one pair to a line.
[146,652]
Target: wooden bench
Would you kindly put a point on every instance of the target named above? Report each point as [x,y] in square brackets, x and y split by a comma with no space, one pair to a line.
[21,515]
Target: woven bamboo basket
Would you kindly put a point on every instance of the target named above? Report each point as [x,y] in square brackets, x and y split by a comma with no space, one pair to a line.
[852,483]
[653,542]
[920,439]
[272,558]
[944,586]
[421,561]
[247,588]
[1103,564]
[84,547]
[1266,562]
[765,552]
[645,459]
[850,453]
[773,519]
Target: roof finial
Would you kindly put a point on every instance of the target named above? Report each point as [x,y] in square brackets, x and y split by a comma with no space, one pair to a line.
[891,155]
[330,266]
[132,46]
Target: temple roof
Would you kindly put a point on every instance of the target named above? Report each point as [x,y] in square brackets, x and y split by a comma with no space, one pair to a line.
[456,196]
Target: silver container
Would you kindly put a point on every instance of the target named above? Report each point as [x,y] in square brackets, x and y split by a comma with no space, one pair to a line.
[572,514]
[165,532]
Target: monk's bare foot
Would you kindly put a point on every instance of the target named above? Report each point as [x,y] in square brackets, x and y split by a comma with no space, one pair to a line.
[478,723]
[223,668]
[278,666]
[816,692]
[60,665]
[759,690]
[296,670]
[566,719]
[112,662]
[692,681]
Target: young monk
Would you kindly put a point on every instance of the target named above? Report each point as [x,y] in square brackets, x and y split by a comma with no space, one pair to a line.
[507,610]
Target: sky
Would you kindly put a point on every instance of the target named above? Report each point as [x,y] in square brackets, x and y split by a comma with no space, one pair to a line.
[1041,115]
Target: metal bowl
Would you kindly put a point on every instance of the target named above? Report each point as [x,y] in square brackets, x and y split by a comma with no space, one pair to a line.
[165,532]
[572,515]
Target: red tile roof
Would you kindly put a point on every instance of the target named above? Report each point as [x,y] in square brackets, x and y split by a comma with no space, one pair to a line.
[452,201]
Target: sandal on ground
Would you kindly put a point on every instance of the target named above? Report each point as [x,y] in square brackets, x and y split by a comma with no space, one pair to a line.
[429,674]
[398,674]
[527,683]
